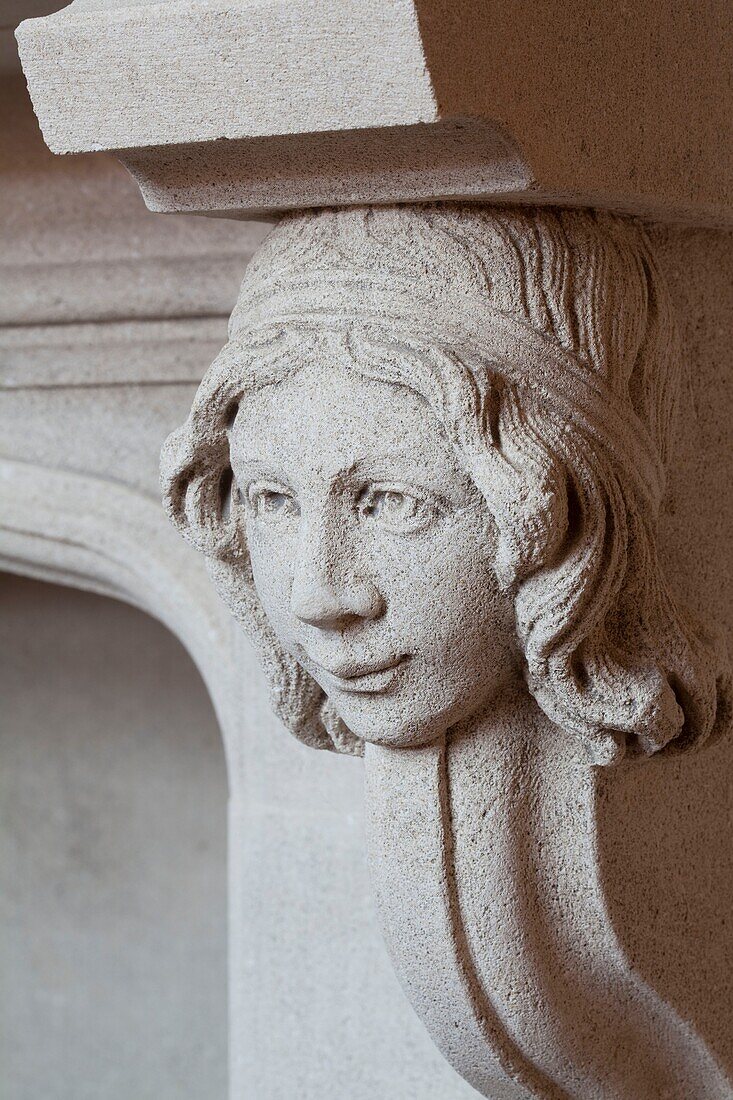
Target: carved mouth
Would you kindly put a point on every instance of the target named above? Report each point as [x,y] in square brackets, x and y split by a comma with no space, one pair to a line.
[355,677]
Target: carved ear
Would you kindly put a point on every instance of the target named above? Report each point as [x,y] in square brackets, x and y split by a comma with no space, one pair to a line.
[197,483]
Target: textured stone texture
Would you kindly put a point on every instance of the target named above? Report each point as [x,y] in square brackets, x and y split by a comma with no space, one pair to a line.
[569,907]
[78,245]
[83,409]
[544,344]
[427,473]
[266,106]
[256,176]
[353,66]
[312,992]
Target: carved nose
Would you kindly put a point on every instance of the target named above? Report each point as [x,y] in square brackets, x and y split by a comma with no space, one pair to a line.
[326,593]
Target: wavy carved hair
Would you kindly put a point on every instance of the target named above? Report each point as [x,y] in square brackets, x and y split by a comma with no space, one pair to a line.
[609,655]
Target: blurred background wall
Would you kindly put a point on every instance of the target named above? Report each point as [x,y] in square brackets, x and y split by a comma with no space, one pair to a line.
[112,856]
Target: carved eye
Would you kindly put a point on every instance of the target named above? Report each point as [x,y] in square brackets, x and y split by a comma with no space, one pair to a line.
[272,502]
[396,509]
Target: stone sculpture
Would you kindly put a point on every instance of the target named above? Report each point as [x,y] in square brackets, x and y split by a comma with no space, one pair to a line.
[426,473]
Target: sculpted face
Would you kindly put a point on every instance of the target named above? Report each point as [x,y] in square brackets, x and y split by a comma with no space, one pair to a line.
[372,553]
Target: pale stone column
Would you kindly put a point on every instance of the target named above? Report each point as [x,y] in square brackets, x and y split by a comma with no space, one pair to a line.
[552,863]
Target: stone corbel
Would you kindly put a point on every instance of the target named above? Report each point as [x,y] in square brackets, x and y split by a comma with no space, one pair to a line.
[482,612]
[439,475]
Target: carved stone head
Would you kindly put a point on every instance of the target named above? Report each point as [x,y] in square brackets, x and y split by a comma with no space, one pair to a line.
[430,460]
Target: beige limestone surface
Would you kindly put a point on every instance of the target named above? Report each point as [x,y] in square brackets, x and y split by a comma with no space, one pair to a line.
[78,245]
[428,474]
[84,406]
[312,990]
[530,900]
[256,107]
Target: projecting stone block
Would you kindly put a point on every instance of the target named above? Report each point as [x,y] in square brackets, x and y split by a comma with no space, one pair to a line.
[258,107]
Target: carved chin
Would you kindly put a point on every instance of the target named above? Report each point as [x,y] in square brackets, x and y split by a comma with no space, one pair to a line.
[407,736]
[387,721]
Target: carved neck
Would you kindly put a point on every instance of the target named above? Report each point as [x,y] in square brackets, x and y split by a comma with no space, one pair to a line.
[484,859]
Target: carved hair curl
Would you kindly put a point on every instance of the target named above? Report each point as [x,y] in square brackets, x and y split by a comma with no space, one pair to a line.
[570,463]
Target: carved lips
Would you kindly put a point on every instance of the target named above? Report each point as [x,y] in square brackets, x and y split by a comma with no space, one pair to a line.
[354,677]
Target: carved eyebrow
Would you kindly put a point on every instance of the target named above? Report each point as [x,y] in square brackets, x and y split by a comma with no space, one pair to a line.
[387,462]
[255,468]
[404,466]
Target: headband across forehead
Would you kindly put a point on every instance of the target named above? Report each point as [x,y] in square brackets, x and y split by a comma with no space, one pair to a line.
[395,312]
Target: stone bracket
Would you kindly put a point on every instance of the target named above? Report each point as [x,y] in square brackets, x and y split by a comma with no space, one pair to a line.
[254,108]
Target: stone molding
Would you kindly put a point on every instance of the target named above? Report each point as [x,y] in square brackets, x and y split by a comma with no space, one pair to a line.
[116,546]
[80,248]
[93,355]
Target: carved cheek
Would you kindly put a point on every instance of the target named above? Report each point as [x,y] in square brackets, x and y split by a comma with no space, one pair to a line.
[273,563]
